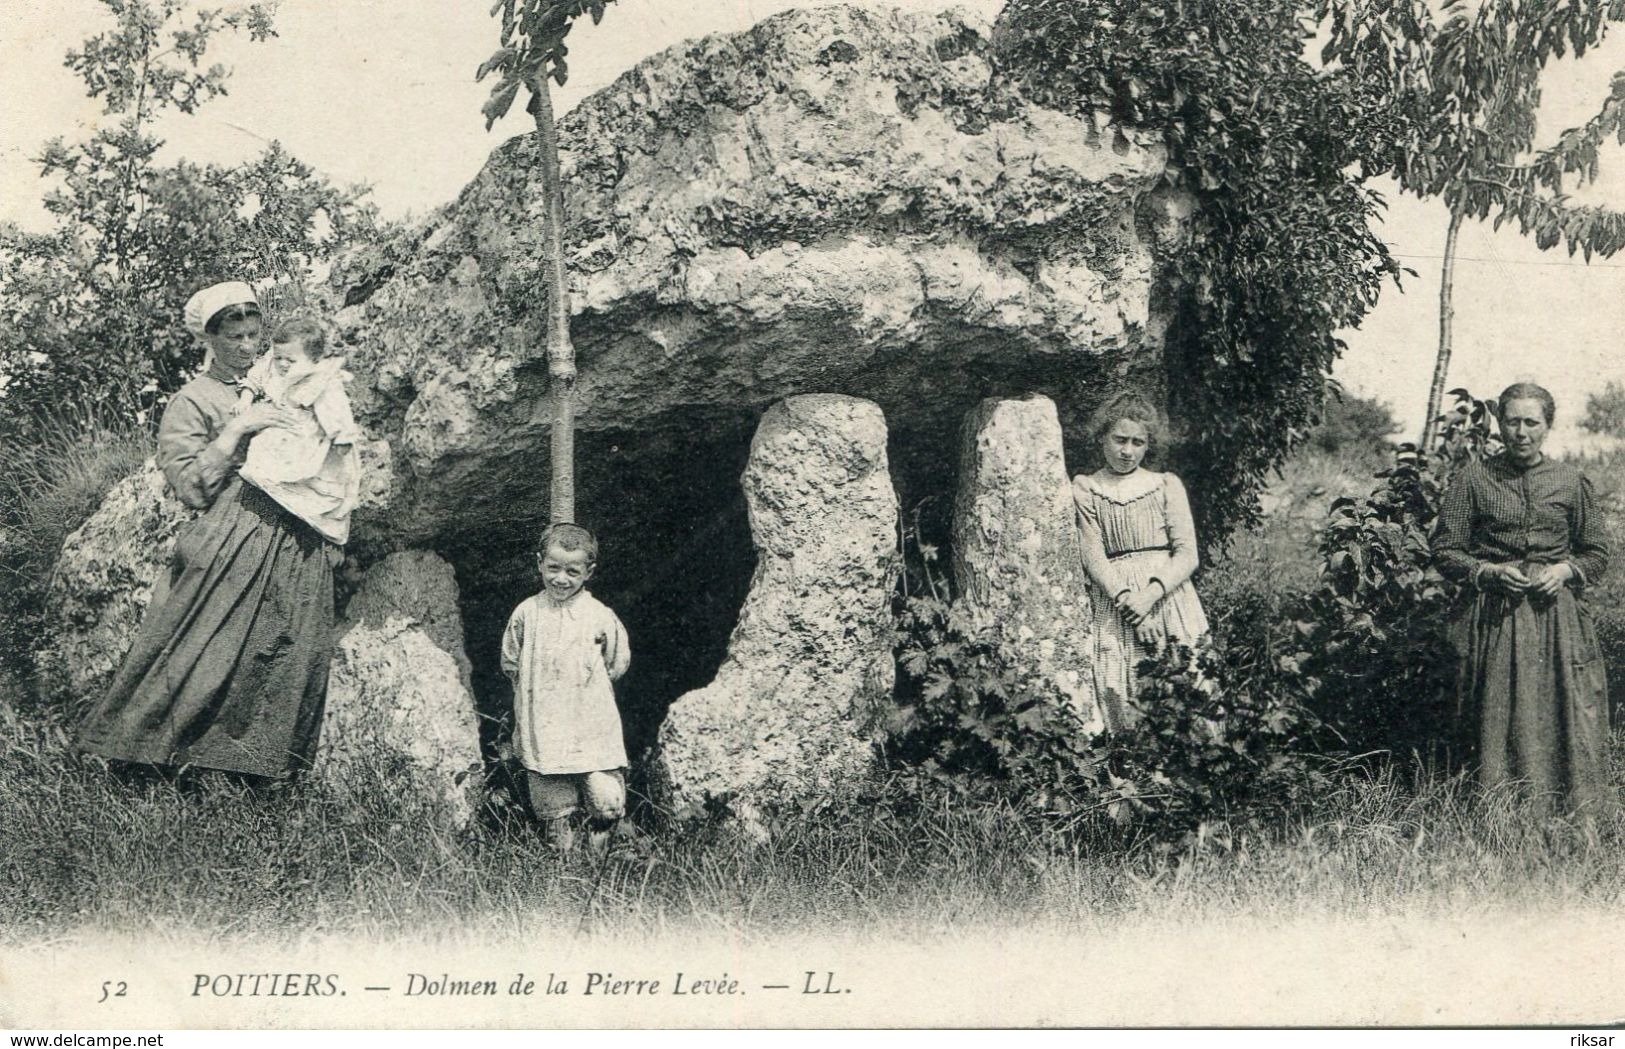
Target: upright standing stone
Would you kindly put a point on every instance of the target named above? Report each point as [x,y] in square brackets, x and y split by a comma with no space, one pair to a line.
[795,707]
[1016,557]
[400,710]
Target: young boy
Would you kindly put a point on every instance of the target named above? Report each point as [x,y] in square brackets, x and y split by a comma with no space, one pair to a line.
[562,649]
[314,471]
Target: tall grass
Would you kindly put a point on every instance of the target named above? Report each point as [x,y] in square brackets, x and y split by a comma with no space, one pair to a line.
[85,849]
[1606,599]
[48,488]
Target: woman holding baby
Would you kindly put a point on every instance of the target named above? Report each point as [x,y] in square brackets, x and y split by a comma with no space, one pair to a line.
[229,669]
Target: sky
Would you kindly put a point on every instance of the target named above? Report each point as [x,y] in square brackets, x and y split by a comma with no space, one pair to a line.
[367,93]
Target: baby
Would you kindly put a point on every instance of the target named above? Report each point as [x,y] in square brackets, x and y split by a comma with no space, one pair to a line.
[562,649]
[313,470]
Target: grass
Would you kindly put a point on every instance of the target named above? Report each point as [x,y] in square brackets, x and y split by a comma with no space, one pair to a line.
[85,851]
[49,487]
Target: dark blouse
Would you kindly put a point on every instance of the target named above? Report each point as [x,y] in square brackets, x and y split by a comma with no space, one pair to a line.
[194,418]
[1497,511]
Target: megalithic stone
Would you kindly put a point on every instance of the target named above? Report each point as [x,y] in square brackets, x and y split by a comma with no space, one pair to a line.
[400,706]
[1015,547]
[805,687]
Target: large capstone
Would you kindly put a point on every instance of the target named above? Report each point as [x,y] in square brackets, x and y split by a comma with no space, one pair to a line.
[794,710]
[837,200]
[1015,550]
[400,708]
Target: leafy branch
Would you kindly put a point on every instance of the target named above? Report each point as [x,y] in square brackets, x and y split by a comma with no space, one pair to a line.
[1450,106]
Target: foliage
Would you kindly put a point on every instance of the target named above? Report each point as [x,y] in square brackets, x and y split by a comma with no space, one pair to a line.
[1241,733]
[1225,745]
[532,47]
[969,719]
[1358,427]
[1283,254]
[92,308]
[1605,597]
[1605,412]
[1221,749]
[1457,101]
[1375,634]
[1455,96]
[966,719]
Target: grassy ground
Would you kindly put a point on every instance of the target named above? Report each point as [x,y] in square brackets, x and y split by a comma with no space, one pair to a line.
[83,851]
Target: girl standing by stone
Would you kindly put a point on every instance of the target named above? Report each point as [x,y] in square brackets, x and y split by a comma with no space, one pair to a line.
[229,668]
[1139,552]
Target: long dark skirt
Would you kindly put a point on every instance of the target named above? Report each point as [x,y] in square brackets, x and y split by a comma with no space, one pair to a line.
[229,669]
[1532,700]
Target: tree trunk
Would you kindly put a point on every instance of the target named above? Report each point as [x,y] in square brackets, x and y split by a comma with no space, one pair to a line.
[561,354]
[1447,317]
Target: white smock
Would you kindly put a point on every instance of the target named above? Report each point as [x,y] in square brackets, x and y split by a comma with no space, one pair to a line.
[563,658]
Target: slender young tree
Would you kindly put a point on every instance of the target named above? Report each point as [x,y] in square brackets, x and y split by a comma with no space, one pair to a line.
[1458,94]
[532,52]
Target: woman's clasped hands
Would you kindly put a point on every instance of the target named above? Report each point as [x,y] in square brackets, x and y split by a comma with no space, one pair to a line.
[1136,606]
[1543,580]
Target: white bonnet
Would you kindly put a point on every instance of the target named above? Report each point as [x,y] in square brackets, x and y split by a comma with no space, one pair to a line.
[200,308]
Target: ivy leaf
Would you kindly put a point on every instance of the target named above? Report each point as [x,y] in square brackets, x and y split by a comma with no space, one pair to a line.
[937,685]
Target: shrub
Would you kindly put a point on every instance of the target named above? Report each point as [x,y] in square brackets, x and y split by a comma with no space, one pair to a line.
[1240,733]
[1606,597]
[1357,428]
[1281,254]
[1374,635]
[92,308]
[969,720]
[1224,745]
[1605,412]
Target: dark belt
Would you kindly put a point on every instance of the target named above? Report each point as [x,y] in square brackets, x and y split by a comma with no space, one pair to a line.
[1137,550]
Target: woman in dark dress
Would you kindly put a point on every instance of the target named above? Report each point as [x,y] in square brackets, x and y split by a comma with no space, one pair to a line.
[229,669]
[1525,533]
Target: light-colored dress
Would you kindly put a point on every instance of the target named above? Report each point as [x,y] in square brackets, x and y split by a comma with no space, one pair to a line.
[313,471]
[1133,531]
[562,658]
